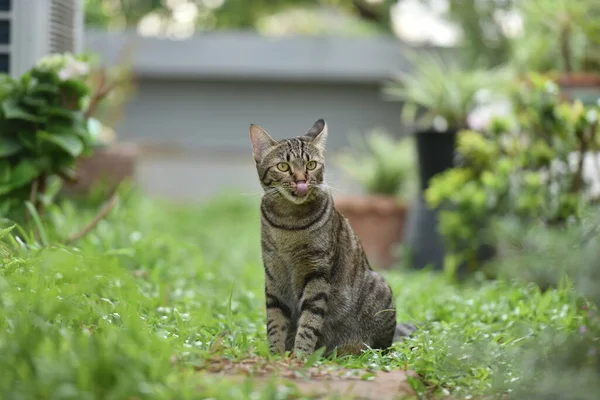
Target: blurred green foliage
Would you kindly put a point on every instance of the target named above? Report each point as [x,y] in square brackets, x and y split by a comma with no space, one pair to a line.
[437,86]
[559,36]
[225,14]
[381,164]
[558,365]
[484,42]
[526,167]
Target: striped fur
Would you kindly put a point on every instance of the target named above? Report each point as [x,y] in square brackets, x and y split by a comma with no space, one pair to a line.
[320,289]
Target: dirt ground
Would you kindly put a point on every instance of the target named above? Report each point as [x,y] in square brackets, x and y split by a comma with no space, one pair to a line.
[316,382]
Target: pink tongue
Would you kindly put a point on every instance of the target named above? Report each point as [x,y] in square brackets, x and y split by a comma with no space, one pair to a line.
[301,188]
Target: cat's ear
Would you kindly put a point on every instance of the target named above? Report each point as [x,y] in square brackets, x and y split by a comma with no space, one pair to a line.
[318,134]
[261,142]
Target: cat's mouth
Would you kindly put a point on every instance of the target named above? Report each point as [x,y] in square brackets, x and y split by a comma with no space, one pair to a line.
[300,189]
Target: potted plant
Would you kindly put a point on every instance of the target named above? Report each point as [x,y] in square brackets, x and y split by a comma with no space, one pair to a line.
[438,96]
[541,166]
[384,167]
[44,125]
[562,38]
[44,129]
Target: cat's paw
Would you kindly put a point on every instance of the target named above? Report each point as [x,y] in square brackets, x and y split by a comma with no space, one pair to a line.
[300,354]
[277,350]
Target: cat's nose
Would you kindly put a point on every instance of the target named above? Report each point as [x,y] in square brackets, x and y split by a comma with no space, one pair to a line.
[299,176]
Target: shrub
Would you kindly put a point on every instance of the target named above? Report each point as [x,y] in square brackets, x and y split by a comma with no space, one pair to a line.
[46,125]
[43,125]
[534,170]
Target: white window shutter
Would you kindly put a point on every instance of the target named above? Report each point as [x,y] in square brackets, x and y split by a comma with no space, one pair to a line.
[39,28]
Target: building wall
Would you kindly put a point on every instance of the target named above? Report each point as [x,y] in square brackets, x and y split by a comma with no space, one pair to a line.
[202,114]
[197,97]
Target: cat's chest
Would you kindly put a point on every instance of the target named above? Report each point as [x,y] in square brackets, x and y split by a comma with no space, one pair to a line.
[291,244]
[288,254]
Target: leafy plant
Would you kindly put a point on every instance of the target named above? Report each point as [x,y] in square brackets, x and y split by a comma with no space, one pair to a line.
[44,125]
[534,171]
[381,164]
[442,89]
[565,258]
[559,36]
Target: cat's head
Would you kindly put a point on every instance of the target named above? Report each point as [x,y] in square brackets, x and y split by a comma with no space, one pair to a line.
[290,168]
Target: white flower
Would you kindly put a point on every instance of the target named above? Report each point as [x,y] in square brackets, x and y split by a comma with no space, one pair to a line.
[551,87]
[73,69]
[592,116]
[481,117]
[64,74]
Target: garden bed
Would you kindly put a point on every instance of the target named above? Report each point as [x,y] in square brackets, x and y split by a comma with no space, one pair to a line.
[157,292]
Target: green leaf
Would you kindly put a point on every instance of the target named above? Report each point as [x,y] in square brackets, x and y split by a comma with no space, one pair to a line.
[9,146]
[66,141]
[44,88]
[7,85]
[12,110]
[314,357]
[4,232]
[27,139]
[38,222]
[25,172]
[75,87]
[35,102]
[64,113]
[46,76]
[4,171]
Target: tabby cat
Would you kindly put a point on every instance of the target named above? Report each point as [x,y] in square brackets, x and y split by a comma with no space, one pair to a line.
[320,289]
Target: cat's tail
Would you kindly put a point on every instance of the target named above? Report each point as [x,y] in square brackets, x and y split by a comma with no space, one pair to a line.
[403,330]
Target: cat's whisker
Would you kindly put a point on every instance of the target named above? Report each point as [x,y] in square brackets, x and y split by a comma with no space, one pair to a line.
[272,191]
[252,194]
[262,192]
[327,186]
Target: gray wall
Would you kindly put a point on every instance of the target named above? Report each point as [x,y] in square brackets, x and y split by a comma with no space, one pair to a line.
[198,96]
[216,114]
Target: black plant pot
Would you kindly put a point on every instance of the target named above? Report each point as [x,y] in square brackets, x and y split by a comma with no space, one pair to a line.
[435,154]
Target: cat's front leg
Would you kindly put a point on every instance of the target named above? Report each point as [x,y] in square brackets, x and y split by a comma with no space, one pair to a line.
[278,321]
[313,308]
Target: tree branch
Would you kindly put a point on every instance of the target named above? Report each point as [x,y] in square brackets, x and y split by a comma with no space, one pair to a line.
[113,200]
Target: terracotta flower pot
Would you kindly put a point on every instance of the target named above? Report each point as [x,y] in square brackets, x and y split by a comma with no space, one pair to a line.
[111,164]
[580,86]
[378,222]
[579,80]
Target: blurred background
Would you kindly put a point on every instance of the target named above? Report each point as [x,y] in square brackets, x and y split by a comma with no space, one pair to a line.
[168,89]
[203,70]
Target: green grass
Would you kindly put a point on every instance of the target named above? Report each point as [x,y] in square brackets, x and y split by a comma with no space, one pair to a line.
[155,291]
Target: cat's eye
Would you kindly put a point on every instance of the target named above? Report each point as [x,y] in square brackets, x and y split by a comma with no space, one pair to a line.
[283,167]
[311,165]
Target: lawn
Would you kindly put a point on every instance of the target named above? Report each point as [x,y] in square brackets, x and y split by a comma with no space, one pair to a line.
[158,294]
